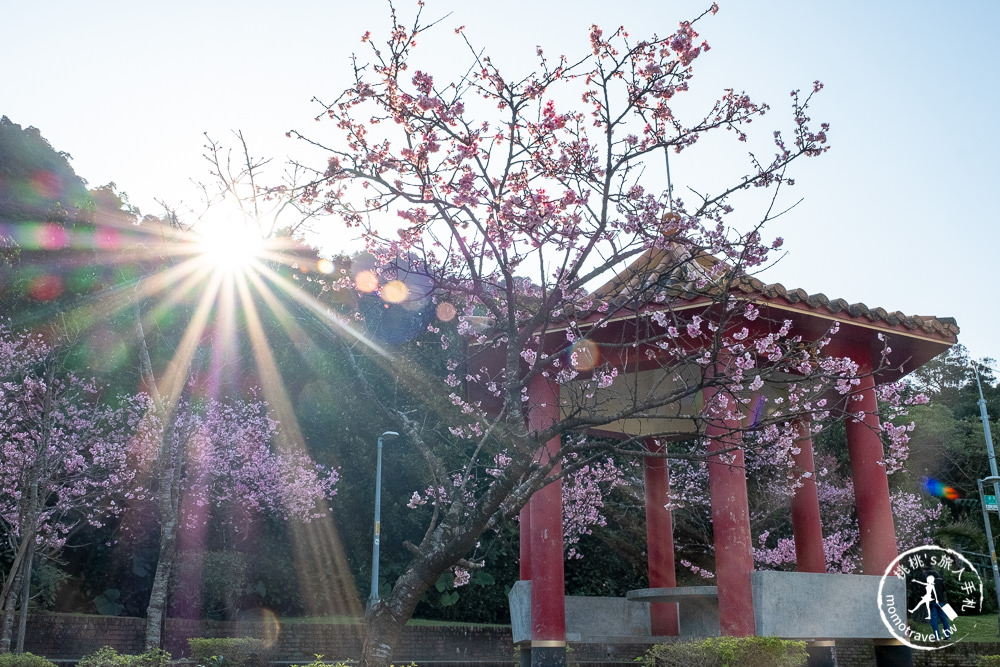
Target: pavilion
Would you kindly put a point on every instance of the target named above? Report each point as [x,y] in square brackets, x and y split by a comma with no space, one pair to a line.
[862,333]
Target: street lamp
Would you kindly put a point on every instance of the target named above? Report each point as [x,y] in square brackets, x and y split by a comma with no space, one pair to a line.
[373,597]
[995,481]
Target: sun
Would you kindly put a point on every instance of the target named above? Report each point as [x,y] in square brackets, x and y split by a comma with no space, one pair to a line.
[230,248]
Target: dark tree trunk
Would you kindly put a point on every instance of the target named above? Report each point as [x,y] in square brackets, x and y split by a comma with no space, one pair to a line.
[9,609]
[164,564]
[387,618]
[441,549]
[168,462]
[22,625]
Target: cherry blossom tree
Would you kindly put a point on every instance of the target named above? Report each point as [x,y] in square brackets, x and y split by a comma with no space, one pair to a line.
[216,454]
[524,232]
[771,490]
[67,460]
[222,459]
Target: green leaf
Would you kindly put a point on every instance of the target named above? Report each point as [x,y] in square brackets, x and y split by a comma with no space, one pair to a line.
[482,578]
[445,582]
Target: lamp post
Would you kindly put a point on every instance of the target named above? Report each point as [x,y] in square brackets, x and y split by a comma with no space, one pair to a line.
[994,479]
[373,596]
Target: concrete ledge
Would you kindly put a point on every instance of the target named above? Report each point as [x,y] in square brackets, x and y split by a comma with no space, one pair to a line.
[675,594]
[596,620]
[697,607]
[806,605]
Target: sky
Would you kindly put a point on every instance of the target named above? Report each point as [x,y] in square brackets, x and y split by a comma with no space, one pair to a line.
[898,214]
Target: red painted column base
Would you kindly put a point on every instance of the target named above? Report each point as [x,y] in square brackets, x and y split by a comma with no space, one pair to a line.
[731,530]
[659,541]
[806,525]
[871,486]
[548,591]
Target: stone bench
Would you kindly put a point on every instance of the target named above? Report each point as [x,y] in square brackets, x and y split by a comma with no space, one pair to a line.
[791,605]
[697,607]
[601,620]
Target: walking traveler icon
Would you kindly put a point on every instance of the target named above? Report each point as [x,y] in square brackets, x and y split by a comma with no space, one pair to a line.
[933,599]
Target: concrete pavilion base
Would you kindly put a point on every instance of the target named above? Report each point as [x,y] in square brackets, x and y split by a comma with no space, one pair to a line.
[806,605]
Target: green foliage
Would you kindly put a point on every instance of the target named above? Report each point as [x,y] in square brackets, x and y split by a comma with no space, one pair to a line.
[729,652]
[47,579]
[23,660]
[109,657]
[988,661]
[230,651]
[36,182]
[484,598]
[107,603]
[215,580]
[954,593]
[318,662]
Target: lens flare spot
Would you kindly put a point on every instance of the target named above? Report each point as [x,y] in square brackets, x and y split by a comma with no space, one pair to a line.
[50,237]
[395,291]
[46,184]
[26,235]
[105,350]
[106,238]
[272,627]
[45,287]
[366,281]
[81,279]
[584,355]
[324,266]
[446,312]
[940,490]
[757,412]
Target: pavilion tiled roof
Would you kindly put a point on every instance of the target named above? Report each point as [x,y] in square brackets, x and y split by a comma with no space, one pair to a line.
[940,326]
[668,269]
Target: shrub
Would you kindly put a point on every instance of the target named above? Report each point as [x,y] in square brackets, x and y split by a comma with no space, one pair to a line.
[230,651]
[46,581]
[729,652]
[210,582]
[23,660]
[109,657]
[988,661]
[318,662]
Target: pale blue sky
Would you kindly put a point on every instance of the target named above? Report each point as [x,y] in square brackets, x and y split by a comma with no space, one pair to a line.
[899,214]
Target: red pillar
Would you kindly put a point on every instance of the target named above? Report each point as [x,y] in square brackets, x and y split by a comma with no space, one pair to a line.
[524,518]
[730,527]
[871,486]
[806,525]
[659,540]
[548,603]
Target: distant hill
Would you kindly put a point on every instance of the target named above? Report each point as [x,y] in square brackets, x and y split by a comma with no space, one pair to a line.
[37,182]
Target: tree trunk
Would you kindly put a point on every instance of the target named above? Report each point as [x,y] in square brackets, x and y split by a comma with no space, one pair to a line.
[387,618]
[9,608]
[22,625]
[385,622]
[164,564]
[167,463]
[381,636]
[11,583]
[28,522]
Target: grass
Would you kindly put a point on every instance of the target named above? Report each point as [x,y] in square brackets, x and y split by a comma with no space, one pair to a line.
[983,628]
[351,620]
